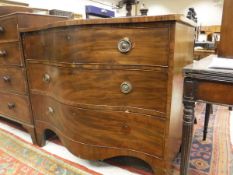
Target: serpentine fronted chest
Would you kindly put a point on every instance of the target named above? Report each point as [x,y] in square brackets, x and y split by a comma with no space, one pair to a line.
[111,87]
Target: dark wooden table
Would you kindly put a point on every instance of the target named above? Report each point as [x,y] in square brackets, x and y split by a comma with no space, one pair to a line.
[214,86]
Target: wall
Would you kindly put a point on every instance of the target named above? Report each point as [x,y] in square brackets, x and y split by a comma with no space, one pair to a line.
[77,6]
[209,12]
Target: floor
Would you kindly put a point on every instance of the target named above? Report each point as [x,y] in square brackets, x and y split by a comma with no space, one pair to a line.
[231,127]
[100,167]
[61,151]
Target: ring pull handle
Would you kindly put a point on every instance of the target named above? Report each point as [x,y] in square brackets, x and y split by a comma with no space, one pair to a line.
[46,78]
[3,53]
[50,110]
[6,78]
[1,29]
[11,105]
[125,45]
[126,87]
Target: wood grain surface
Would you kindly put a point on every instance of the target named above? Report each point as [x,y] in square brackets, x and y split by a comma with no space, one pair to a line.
[9,26]
[15,107]
[100,45]
[171,18]
[117,130]
[5,9]
[10,54]
[101,87]
[12,79]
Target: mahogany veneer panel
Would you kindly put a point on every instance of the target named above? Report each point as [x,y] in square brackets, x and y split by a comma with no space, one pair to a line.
[10,54]
[118,130]
[13,80]
[15,107]
[204,88]
[99,45]
[9,26]
[101,87]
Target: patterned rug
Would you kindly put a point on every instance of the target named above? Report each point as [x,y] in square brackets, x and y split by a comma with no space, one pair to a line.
[211,157]
[20,158]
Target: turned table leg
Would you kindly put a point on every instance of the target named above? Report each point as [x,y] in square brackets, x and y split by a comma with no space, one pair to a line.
[207,117]
[188,122]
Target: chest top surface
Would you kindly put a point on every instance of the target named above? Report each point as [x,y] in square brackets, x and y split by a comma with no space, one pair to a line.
[122,20]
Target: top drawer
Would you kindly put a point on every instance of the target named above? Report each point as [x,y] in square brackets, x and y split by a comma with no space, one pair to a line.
[101,45]
[10,54]
[8,29]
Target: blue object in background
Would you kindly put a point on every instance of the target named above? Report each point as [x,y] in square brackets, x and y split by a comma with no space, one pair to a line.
[98,12]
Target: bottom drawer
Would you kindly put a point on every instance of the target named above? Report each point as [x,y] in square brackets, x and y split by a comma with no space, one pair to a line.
[15,107]
[99,128]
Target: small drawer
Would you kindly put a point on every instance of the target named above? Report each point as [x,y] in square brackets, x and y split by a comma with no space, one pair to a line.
[15,107]
[134,90]
[101,128]
[8,29]
[127,46]
[10,54]
[12,79]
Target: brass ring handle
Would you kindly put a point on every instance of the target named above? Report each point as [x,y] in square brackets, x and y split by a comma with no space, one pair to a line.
[11,105]
[126,87]
[125,45]
[46,78]
[6,78]
[1,29]
[3,53]
[50,110]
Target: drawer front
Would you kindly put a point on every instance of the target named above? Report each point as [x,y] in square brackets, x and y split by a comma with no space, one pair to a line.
[8,29]
[100,128]
[10,54]
[149,46]
[15,107]
[13,80]
[123,89]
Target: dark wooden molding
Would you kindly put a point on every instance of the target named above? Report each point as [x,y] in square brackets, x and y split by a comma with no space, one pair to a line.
[201,71]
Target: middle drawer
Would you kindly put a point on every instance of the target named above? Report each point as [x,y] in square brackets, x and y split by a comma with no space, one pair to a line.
[133,90]
[13,80]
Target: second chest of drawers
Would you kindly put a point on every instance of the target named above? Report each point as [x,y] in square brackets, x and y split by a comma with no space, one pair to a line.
[15,103]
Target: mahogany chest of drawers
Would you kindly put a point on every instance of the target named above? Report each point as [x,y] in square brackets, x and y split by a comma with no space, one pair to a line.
[111,87]
[14,96]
